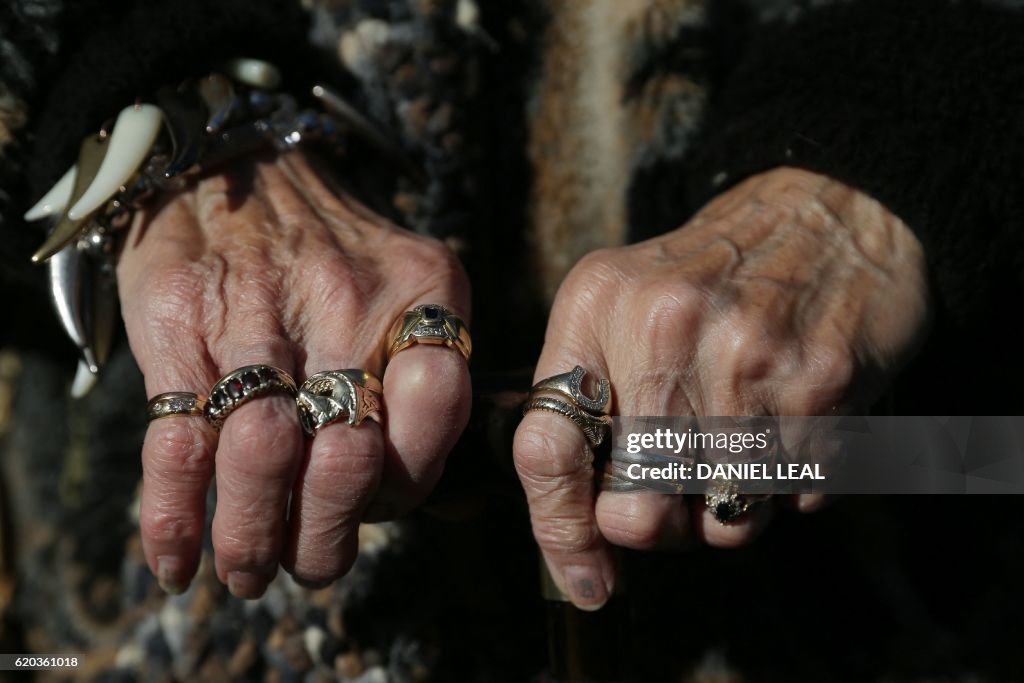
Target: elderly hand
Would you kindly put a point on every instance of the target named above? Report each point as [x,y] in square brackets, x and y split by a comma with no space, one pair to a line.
[790,294]
[265,265]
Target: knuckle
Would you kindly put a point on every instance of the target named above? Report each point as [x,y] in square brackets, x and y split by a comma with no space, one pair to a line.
[826,376]
[179,450]
[596,260]
[565,534]
[549,458]
[265,431]
[596,272]
[332,283]
[428,261]
[749,355]
[170,527]
[438,269]
[171,294]
[831,367]
[630,528]
[672,312]
[248,548]
[352,466]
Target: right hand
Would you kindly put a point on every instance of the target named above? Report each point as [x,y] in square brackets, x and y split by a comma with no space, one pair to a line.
[267,265]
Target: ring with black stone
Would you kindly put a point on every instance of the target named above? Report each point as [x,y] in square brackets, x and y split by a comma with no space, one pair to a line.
[430,324]
[242,385]
[727,504]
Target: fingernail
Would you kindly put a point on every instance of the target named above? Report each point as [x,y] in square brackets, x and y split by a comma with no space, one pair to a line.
[586,587]
[168,568]
[246,585]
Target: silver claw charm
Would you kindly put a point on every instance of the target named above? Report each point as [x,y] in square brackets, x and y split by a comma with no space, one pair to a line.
[101,309]
[365,129]
[85,299]
[185,117]
[66,278]
[221,101]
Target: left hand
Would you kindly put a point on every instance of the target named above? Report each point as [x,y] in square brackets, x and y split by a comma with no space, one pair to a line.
[790,294]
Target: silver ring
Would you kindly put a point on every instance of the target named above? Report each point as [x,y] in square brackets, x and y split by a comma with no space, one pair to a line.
[594,427]
[175,403]
[242,385]
[727,504]
[335,394]
[570,385]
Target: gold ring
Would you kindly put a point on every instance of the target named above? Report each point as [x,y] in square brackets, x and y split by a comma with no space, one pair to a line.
[430,324]
[242,385]
[174,403]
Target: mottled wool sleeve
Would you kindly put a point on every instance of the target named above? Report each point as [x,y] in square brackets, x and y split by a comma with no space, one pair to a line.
[28,46]
[918,103]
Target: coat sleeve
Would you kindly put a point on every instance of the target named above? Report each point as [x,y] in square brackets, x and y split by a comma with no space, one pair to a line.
[919,103]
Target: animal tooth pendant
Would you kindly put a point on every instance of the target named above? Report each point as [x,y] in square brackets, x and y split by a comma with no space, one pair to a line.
[56,200]
[133,136]
[84,380]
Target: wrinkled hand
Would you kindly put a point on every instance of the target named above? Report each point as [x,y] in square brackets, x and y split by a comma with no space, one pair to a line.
[790,294]
[266,265]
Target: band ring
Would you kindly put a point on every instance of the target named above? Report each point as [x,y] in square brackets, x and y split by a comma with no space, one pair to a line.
[727,504]
[594,427]
[241,386]
[331,395]
[430,324]
[570,385]
[173,404]
[563,394]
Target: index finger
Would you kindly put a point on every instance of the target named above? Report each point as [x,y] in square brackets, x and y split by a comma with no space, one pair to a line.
[160,289]
[555,465]
[177,460]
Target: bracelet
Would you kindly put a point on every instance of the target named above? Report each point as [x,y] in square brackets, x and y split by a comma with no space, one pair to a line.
[149,148]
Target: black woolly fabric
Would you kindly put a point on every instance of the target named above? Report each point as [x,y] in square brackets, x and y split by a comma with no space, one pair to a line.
[918,103]
[152,44]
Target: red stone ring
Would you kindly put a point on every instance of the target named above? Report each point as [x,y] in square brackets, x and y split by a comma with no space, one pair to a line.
[241,385]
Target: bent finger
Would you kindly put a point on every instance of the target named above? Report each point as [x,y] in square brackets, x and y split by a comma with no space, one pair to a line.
[643,520]
[555,466]
[428,394]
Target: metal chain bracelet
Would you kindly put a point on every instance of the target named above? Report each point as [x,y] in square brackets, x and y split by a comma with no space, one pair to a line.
[149,148]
